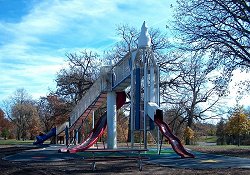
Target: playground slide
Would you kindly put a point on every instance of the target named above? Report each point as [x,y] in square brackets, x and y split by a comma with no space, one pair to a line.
[174,141]
[98,130]
[43,137]
[92,138]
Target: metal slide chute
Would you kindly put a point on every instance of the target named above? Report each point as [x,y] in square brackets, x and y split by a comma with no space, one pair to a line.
[156,114]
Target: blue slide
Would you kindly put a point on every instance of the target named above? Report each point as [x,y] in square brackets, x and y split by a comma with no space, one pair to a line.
[41,138]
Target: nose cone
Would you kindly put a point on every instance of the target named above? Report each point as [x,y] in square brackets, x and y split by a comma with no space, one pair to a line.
[144,39]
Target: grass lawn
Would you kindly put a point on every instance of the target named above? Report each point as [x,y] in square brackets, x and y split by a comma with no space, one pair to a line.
[219,147]
[208,139]
[17,142]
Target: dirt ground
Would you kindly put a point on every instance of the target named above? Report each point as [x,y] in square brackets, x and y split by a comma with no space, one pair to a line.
[80,166]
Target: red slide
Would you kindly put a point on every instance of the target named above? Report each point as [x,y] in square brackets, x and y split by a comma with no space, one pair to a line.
[174,141]
[92,137]
[98,130]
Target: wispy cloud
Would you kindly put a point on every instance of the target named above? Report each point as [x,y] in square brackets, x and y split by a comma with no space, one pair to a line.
[32,48]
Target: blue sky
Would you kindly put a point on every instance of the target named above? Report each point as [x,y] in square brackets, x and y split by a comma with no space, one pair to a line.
[35,35]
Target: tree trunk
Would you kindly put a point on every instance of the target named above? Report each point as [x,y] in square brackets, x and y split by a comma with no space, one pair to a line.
[189,124]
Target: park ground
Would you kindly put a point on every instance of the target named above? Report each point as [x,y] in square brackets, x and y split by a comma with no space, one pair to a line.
[80,166]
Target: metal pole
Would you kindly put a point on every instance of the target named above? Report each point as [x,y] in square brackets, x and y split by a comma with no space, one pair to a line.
[152,82]
[93,119]
[132,104]
[145,98]
[158,102]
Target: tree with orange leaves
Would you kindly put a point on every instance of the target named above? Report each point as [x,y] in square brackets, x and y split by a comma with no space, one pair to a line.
[5,126]
[52,111]
[238,125]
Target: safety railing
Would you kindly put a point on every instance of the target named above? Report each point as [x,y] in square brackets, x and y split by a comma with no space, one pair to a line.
[89,97]
[121,70]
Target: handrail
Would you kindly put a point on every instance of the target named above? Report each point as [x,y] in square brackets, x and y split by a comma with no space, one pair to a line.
[121,70]
[99,86]
[104,83]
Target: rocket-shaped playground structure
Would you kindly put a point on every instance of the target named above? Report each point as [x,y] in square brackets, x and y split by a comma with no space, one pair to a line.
[137,70]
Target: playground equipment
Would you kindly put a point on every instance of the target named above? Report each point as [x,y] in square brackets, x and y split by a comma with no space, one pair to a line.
[92,137]
[174,141]
[43,137]
[139,71]
[97,131]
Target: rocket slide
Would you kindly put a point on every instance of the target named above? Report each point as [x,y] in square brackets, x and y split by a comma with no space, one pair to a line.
[174,141]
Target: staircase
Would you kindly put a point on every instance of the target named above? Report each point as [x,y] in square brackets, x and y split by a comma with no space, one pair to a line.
[116,79]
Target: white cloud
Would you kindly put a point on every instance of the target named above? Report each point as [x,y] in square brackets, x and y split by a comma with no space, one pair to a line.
[234,88]
[33,49]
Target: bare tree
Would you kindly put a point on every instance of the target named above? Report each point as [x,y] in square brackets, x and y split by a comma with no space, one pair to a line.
[129,39]
[188,87]
[219,27]
[73,82]
[174,117]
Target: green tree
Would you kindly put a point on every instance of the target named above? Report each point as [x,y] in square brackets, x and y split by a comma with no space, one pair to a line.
[221,132]
[5,133]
